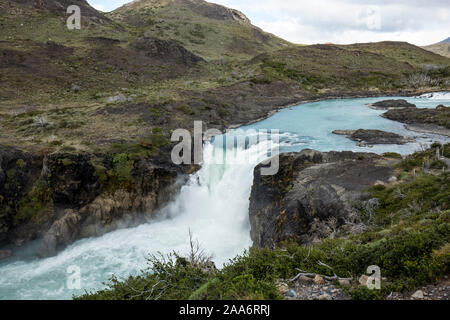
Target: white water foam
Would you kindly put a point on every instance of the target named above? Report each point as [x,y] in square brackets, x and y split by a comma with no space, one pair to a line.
[443,95]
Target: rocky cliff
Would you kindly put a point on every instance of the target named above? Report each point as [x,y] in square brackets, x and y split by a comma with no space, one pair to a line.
[62,197]
[313,196]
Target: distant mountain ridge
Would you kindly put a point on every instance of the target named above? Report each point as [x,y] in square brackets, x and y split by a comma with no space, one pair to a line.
[442,48]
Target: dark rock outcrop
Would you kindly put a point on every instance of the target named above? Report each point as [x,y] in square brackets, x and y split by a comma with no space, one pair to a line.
[438,117]
[372,137]
[166,50]
[391,104]
[62,197]
[313,196]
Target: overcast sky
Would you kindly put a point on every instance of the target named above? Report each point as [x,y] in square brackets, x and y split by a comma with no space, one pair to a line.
[420,22]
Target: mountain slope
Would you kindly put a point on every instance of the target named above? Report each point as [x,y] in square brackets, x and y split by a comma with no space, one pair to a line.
[209,30]
[442,48]
[401,51]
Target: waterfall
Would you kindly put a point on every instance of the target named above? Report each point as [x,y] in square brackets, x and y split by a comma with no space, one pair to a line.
[213,205]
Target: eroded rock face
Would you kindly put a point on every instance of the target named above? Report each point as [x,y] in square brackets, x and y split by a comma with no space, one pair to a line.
[391,104]
[62,197]
[372,137]
[18,170]
[314,195]
[70,178]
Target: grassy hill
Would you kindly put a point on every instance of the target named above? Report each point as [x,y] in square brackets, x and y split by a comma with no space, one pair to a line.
[156,65]
[209,30]
[402,51]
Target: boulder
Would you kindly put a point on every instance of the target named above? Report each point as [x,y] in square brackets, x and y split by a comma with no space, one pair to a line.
[344,282]
[283,288]
[363,280]
[318,279]
[418,295]
[120,98]
[291,294]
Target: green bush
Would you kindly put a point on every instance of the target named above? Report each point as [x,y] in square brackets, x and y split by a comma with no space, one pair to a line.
[123,167]
[392,155]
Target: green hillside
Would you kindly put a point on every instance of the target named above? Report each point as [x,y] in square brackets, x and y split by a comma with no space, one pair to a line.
[156,65]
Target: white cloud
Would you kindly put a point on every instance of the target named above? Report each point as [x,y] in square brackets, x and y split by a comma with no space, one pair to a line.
[420,22]
[346,21]
[98,6]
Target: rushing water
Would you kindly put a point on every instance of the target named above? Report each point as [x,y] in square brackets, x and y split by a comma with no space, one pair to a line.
[213,204]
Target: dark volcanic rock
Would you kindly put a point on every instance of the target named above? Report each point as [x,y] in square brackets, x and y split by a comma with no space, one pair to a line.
[18,171]
[166,50]
[313,196]
[63,197]
[71,178]
[391,104]
[437,117]
[371,137]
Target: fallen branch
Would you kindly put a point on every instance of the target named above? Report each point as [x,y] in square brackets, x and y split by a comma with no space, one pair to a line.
[313,275]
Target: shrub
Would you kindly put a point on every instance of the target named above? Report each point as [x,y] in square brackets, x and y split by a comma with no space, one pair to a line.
[123,167]
[392,155]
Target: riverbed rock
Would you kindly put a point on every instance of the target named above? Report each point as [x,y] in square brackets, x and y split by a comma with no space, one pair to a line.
[436,121]
[391,104]
[371,137]
[314,195]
